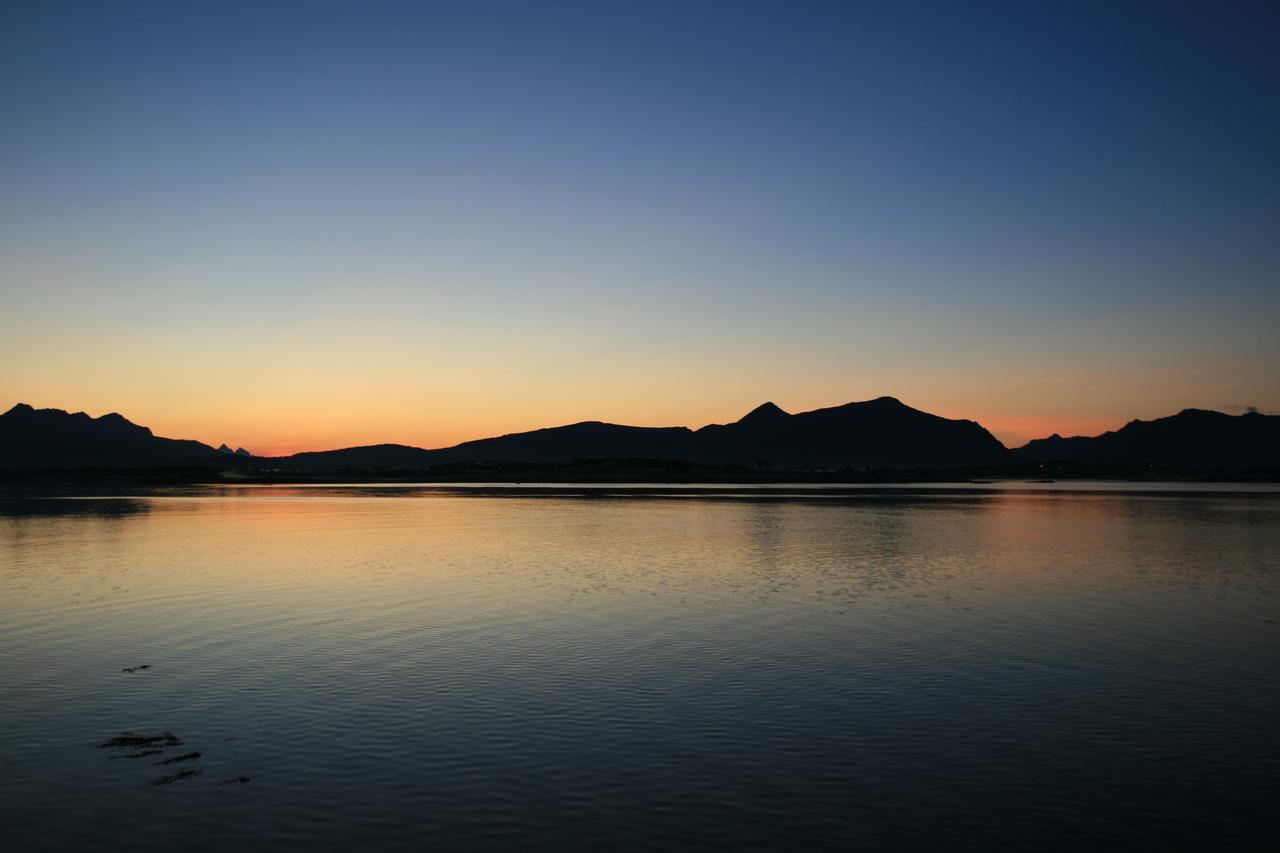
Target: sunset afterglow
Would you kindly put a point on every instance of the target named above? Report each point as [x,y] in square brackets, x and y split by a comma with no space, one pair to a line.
[412,226]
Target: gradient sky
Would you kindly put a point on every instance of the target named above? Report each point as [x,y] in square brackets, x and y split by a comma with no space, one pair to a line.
[298,226]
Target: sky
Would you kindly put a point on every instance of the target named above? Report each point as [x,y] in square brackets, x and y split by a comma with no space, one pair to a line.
[312,225]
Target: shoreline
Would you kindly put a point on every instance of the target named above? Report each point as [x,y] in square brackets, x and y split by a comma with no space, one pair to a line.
[636,476]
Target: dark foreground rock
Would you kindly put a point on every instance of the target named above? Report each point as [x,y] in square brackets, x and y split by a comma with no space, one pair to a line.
[127,740]
[177,777]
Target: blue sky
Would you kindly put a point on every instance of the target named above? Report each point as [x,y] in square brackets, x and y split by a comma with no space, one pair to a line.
[300,225]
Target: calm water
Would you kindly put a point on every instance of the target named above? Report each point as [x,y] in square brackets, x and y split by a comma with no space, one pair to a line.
[395,668]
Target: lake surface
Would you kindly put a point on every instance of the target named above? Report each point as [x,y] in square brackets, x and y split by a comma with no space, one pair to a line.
[397,668]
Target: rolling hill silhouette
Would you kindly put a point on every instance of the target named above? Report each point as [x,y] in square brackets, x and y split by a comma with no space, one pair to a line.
[880,433]
[1193,438]
[875,434]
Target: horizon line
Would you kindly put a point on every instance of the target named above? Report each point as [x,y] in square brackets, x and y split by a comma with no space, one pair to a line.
[883,397]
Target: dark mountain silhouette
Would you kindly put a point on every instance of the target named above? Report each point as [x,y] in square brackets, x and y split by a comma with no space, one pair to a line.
[368,456]
[765,413]
[1193,438]
[880,433]
[875,434]
[51,438]
[587,440]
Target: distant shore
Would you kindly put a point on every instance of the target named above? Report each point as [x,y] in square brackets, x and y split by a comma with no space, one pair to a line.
[608,472]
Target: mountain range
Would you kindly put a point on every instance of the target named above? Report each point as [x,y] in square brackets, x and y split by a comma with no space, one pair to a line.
[882,433]
[53,439]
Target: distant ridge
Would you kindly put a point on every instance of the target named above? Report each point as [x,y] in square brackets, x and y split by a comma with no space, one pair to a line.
[876,433]
[879,433]
[1193,438]
[52,438]
[883,433]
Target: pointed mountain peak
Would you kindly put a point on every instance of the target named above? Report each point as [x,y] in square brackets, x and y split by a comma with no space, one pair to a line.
[240,451]
[763,412]
[222,448]
[20,409]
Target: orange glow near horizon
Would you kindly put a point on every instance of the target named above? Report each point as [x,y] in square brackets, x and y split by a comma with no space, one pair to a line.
[298,431]
[305,389]
[422,228]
